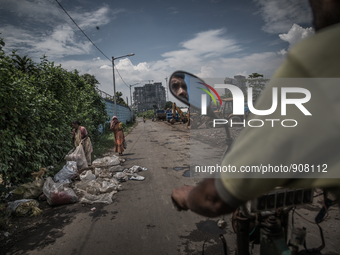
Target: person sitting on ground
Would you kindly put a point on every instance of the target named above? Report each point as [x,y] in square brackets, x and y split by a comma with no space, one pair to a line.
[117,129]
[80,136]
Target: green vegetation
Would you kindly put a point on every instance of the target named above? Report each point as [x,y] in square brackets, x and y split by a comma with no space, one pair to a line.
[168,104]
[38,102]
[148,114]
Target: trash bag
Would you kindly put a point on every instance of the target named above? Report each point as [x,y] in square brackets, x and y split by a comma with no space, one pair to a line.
[120,176]
[106,161]
[87,176]
[78,156]
[68,172]
[29,190]
[57,193]
[96,187]
[24,207]
[97,199]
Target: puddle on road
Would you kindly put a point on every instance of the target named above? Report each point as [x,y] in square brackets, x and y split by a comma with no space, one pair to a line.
[128,159]
[179,168]
[187,173]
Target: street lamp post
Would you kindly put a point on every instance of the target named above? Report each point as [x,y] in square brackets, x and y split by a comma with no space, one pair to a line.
[114,82]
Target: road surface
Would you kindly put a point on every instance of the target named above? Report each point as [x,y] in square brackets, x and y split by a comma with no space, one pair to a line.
[142,219]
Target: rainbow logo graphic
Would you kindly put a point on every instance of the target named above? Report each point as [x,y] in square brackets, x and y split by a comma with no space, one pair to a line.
[208,92]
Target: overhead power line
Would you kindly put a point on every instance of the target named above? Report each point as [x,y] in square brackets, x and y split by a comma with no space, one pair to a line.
[82,31]
[121,77]
[91,41]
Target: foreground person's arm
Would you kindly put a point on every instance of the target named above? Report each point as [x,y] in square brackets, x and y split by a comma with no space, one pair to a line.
[202,199]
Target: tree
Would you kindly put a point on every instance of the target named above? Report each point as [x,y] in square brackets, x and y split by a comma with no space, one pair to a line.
[257,83]
[119,98]
[168,104]
[90,79]
[24,64]
[255,75]
[36,111]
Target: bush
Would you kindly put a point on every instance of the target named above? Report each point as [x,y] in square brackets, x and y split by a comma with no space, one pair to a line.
[37,106]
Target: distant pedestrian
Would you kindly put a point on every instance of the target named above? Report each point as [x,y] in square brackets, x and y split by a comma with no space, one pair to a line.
[117,129]
[80,136]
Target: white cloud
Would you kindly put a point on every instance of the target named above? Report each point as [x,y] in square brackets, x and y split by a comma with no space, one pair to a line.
[60,38]
[105,67]
[280,15]
[296,33]
[282,52]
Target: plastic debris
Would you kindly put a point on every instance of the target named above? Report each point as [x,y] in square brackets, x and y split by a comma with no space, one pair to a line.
[29,190]
[137,177]
[24,207]
[88,176]
[6,234]
[68,172]
[96,199]
[78,156]
[58,194]
[93,209]
[106,161]
[121,176]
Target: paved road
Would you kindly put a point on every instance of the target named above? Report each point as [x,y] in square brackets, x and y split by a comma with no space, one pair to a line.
[142,219]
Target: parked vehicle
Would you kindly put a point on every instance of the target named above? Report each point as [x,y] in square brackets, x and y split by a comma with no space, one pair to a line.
[160,115]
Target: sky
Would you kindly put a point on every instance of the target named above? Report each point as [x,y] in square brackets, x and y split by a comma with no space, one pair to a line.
[209,38]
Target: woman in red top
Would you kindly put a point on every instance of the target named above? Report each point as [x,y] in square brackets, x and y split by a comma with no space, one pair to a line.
[80,136]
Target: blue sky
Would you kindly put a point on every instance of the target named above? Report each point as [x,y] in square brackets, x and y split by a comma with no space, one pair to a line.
[210,38]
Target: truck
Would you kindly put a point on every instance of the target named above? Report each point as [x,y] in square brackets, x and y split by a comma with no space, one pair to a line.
[160,115]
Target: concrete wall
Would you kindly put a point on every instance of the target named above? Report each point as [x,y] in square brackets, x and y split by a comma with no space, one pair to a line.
[124,113]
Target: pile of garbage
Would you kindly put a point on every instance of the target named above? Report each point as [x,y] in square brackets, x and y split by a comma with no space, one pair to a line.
[90,185]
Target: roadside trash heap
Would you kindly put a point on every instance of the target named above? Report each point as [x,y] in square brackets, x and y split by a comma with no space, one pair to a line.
[89,185]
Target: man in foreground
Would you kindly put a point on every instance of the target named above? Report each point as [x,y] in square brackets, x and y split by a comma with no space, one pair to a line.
[316,57]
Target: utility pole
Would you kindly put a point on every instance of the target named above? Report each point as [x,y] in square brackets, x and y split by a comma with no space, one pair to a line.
[114,81]
[166,87]
[114,84]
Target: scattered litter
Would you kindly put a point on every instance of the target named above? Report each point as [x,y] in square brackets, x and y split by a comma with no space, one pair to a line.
[93,209]
[97,199]
[6,234]
[68,172]
[57,193]
[106,161]
[96,187]
[121,176]
[135,169]
[88,176]
[78,156]
[117,168]
[137,177]
[29,190]
[24,207]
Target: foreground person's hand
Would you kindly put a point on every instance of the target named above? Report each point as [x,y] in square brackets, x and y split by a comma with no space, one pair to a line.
[180,196]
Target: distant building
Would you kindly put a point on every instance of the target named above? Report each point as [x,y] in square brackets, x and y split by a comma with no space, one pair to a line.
[144,98]
[238,80]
